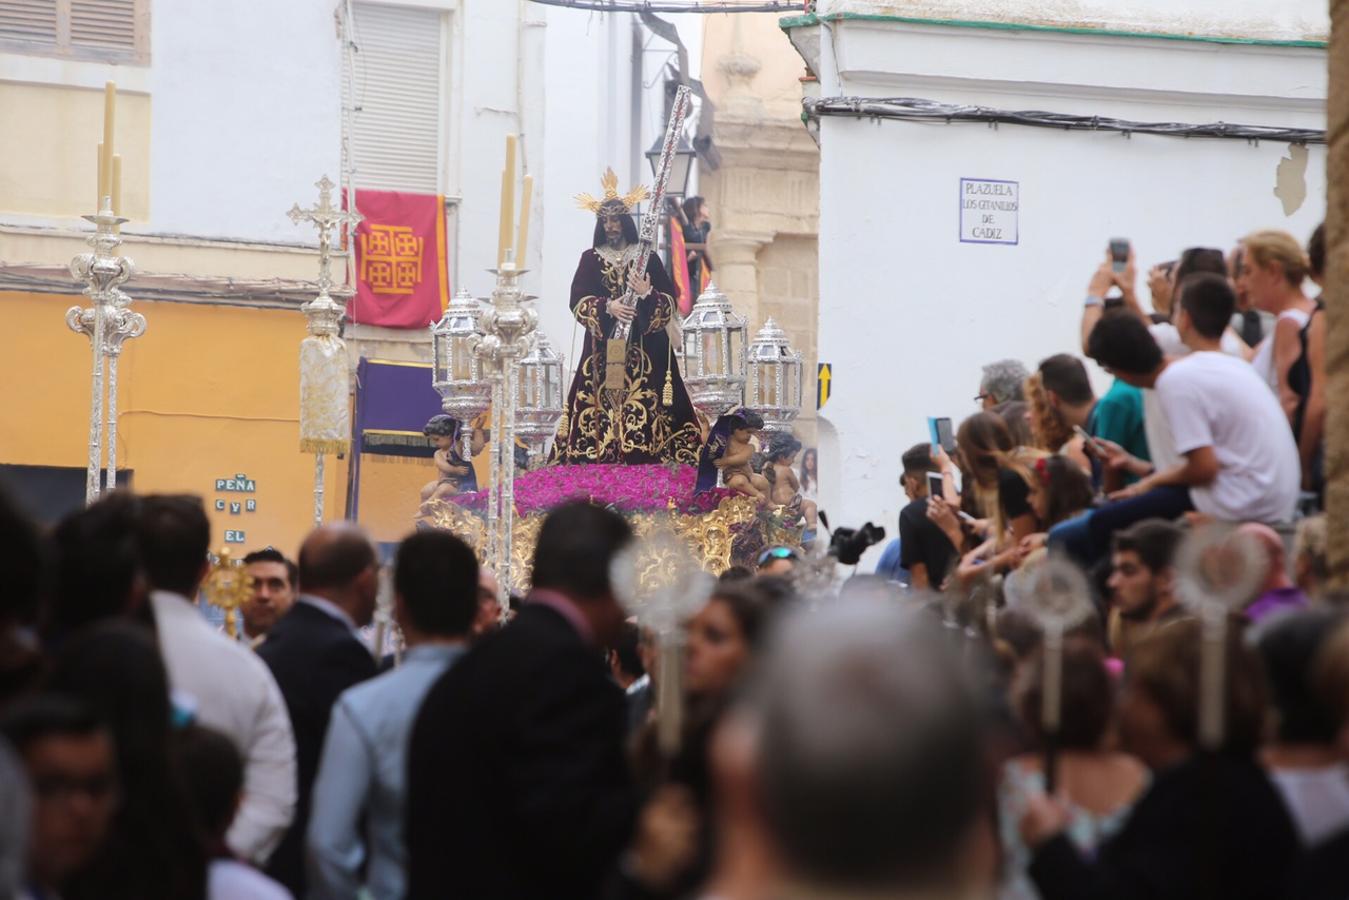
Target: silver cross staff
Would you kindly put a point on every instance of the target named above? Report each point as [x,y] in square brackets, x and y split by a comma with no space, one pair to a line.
[325,217]
[323,313]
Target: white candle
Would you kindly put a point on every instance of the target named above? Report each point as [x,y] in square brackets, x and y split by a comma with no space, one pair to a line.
[106,148]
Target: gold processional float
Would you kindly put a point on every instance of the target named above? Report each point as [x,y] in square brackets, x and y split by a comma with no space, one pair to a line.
[489,358]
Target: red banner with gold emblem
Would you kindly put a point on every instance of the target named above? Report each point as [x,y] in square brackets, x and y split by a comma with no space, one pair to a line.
[402,276]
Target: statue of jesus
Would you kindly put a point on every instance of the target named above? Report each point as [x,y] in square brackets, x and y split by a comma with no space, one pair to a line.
[650,419]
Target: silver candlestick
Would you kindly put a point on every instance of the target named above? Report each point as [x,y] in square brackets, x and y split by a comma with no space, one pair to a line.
[108,323]
[507,325]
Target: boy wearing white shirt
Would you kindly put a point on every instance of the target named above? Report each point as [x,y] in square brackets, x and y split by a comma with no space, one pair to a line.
[1239,461]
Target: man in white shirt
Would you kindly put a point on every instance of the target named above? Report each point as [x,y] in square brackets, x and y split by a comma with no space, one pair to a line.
[1239,460]
[232,689]
[1210,402]
[1161,444]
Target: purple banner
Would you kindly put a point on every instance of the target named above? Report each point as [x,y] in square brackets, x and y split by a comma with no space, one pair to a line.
[394,400]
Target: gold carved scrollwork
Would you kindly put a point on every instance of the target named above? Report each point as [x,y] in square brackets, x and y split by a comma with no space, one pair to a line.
[710,536]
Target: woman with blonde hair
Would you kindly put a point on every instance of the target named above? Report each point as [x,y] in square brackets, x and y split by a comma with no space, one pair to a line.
[1274,269]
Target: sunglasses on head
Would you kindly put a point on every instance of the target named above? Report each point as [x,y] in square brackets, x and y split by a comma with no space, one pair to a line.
[776,553]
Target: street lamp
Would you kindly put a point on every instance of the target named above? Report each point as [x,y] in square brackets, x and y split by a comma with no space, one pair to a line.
[540,400]
[456,371]
[714,354]
[773,378]
[680,167]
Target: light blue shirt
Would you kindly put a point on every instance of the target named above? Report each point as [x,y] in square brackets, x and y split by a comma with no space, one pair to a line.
[361,779]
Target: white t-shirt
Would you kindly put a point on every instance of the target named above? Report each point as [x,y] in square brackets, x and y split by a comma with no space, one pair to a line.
[1317,799]
[1167,337]
[1215,400]
[1161,446]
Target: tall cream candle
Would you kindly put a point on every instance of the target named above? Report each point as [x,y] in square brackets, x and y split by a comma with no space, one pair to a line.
[109,119]
[507,227]
[102,180]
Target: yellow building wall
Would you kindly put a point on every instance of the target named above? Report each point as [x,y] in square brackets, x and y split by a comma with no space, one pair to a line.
[207,393]
[49,166]
[390,488]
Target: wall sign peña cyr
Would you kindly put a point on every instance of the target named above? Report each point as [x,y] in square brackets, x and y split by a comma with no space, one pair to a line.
[239,484]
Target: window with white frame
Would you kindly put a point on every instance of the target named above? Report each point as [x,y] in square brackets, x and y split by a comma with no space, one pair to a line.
[116,31]
[397,81]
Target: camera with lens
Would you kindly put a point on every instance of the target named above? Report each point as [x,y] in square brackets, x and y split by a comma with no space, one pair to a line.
[848,544]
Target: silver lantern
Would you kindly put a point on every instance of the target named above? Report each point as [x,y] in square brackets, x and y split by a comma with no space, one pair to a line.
[773,385]
[539,397]
[456,370]
[714,354]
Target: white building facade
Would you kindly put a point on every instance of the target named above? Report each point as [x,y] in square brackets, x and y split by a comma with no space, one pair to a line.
[945,245]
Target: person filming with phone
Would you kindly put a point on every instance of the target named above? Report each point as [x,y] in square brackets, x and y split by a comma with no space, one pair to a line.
[1237,460]
[925,549]
[1115,420]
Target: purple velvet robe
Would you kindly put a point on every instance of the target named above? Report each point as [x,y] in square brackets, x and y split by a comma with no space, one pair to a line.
[639,429]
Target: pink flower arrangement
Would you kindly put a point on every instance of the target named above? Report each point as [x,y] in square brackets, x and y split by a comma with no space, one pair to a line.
[622,488]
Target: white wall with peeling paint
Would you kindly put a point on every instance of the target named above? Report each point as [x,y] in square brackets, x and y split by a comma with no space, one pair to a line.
[909,313]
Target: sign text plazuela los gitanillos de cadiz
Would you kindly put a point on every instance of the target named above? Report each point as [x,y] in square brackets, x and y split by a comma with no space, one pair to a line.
[989,211]
[239,484]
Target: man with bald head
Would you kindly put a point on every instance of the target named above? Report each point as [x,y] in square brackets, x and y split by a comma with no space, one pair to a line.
[1278,593]
[315,653]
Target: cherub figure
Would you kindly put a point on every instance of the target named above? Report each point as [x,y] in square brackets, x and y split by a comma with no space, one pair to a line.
[782,451]
[729,451]
[455,474]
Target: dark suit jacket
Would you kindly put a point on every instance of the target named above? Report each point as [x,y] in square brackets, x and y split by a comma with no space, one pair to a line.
[314,658]
[517,782]
[1323,874]
[1201,821]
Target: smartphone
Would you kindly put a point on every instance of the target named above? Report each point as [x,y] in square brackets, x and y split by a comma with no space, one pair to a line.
[1119,253]
[939,430]
[1089,443]
[934,485]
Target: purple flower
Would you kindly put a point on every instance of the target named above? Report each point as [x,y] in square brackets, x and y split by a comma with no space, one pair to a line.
[648,488]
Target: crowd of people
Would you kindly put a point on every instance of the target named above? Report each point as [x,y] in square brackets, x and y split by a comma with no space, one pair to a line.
[1215,412]
[799,739]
